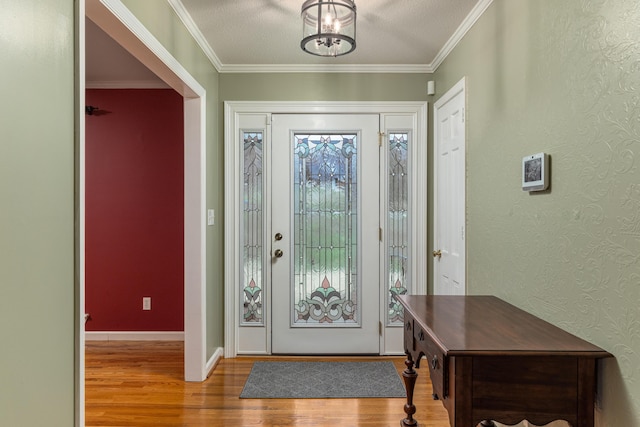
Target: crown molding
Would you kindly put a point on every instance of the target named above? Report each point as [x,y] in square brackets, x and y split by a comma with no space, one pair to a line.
[462,30]
[326,68]
[195,32]
[130,84]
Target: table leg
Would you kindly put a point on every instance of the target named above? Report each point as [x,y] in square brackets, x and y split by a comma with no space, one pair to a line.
[409,375]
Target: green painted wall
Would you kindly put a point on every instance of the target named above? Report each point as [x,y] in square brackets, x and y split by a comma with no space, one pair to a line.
[37,213]
[323,87]
[160,19]
[560,77]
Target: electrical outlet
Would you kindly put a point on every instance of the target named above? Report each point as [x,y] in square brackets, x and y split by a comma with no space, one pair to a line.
[146,303]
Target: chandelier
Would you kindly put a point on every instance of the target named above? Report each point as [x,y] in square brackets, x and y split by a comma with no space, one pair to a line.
[328,27]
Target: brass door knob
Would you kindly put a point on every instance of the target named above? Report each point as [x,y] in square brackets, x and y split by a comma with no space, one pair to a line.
[437,253]
[278,253]
[278,236]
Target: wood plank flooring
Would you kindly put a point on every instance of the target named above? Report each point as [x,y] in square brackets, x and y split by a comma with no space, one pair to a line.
[131,383]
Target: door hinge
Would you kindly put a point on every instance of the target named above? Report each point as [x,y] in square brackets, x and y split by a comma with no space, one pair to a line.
[380,234]
[380,136]
[380,328]
[463,112]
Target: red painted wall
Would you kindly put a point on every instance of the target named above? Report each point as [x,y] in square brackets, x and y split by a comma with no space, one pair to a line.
[134,210]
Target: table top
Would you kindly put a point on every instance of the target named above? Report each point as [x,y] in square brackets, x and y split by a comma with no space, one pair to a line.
[487,325]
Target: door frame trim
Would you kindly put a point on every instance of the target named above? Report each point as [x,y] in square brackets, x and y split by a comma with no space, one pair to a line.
[232,161]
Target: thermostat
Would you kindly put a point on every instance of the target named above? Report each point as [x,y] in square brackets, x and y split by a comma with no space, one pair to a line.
[535,172]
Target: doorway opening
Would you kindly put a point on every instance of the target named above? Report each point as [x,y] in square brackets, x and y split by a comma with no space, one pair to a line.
[123,27]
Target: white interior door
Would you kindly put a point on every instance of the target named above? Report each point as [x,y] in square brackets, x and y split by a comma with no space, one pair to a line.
[449,220]
[325,239]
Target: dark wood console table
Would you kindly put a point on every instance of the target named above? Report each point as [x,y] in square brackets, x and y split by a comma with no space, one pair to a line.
[490,361]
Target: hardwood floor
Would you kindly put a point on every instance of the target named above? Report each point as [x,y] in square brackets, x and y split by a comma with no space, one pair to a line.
[130,383]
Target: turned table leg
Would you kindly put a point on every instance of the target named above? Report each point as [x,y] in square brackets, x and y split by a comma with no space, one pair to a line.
[409,375]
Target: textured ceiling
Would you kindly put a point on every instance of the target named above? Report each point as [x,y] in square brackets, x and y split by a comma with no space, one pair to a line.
[244,32]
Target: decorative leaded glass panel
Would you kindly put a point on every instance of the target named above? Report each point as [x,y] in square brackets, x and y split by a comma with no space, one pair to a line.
[397,223]
[252,257]
[325,230]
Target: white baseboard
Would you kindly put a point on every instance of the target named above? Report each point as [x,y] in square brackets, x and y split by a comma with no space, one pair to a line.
[134,336]
[213,361]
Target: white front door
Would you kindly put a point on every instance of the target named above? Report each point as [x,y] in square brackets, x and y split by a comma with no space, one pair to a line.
[449,221]
[325,243]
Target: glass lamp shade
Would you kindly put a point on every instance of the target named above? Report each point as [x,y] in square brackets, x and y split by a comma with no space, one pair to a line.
[328,27]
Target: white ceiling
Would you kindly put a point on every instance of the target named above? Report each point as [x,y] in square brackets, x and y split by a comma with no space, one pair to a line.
[264,35]
[267,32]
